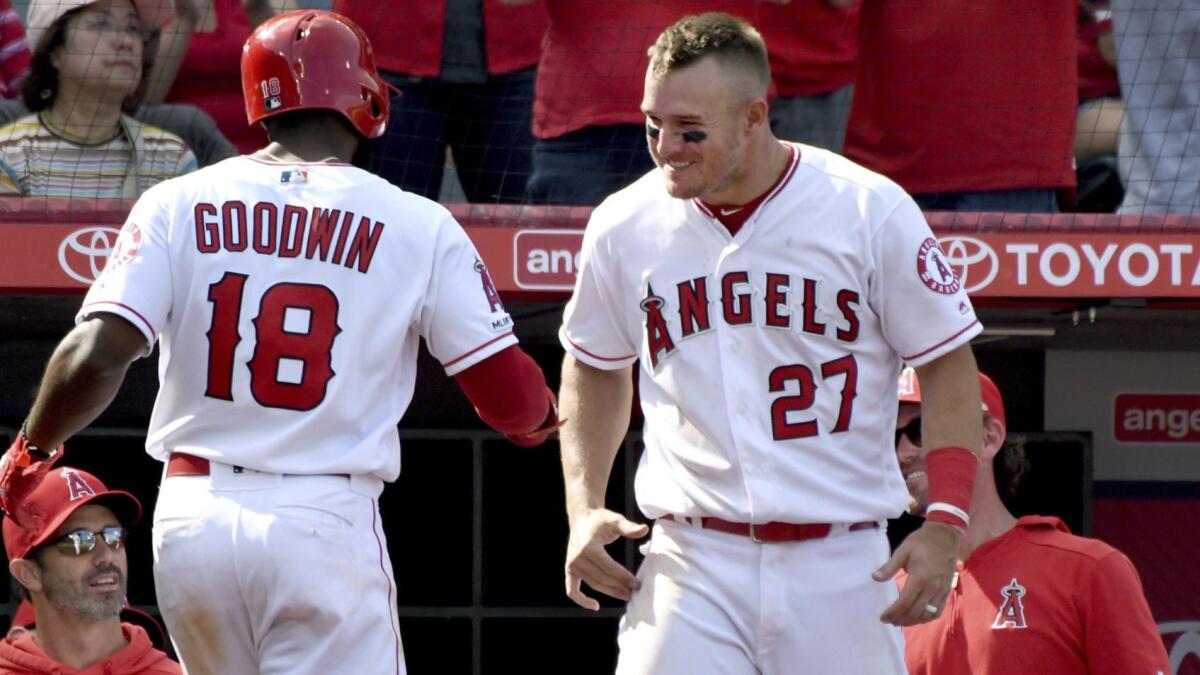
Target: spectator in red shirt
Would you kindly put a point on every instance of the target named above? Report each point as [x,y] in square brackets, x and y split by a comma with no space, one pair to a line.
[467,69]
[968,105]
[14,52]
[1030,597]
[813,49]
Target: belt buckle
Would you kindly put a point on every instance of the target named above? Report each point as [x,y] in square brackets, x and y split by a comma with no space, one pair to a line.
[754,535]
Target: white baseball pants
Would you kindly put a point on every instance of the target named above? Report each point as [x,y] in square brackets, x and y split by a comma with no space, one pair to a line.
[272,574]
[722,604]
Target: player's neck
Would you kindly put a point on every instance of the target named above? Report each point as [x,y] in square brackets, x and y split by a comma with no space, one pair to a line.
[765,162]
[310,148]
[76,642]
[989,519]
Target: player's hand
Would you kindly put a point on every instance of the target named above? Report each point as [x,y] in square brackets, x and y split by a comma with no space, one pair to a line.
[589,563]
[929,556]
[21,471]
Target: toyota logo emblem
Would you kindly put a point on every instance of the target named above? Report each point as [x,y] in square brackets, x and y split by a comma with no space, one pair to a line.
[83,253]
[973,259]
[1186,640]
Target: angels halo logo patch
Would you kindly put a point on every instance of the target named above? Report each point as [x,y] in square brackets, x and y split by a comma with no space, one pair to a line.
[934,270]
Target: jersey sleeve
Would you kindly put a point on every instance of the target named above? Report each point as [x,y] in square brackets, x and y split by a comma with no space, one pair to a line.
[922,305]
[591,331]
[136,281]
[462,319]
[1119,631]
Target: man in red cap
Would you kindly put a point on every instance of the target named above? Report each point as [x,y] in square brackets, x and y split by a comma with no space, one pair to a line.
[69,563]
[1029,596]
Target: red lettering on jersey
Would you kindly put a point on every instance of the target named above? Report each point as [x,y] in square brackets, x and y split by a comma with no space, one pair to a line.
[362,249]
[693,305]
[489,287]
[233,222]
[208,232]
[291,232]
[77,486]
[735,307]
[266,217]
[811,325]
[1012,612]
[658,339]
[777,288]
[343,232]
[320,231]
[847,301]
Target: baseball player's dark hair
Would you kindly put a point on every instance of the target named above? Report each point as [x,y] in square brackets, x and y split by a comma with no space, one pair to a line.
[723,36]
[292,119]
[40,88]
[18,591]
[1009,467]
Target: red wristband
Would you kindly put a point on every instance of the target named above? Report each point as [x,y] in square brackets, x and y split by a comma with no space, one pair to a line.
[951,476]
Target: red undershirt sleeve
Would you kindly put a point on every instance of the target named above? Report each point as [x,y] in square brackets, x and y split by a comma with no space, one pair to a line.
[508,391]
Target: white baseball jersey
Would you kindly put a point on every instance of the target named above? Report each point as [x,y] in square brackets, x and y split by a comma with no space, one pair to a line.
[768,359]
[289,300]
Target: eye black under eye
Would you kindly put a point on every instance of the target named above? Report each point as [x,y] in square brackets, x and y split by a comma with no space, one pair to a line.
[652,131]
[693,136]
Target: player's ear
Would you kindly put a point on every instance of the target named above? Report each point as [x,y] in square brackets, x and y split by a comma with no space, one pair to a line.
[26,572]
[756,114]
[993,438]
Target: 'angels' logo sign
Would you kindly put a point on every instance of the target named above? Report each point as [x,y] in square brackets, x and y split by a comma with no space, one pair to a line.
[1182,639]
[83,253]
[973,260]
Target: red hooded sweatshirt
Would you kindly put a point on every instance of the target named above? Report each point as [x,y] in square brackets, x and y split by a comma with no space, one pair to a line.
[23,656]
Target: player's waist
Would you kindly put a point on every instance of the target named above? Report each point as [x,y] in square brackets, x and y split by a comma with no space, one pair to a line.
[231,476]
[773,531]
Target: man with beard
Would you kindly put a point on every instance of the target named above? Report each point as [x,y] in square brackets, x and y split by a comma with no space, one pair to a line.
[70,563]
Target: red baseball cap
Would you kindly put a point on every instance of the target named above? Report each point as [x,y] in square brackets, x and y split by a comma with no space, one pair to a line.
[63,491]
[909,390]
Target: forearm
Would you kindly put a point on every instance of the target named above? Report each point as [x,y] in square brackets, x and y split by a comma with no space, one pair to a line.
[508,391]
[596,405]
[81,379]
[172,48]
[950,402]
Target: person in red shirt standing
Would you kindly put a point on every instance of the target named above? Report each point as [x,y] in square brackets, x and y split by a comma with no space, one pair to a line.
[814,57]
[467,70]
[72,567]
[1029,597]
[15,58]
[969,106]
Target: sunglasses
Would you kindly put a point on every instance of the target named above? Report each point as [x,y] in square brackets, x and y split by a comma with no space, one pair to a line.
[912,431]
[84,541]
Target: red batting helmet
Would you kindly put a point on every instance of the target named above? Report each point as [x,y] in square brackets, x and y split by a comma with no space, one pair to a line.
[312,59]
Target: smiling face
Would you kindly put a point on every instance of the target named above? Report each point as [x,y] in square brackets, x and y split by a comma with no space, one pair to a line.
[102,51]
[697,129]
[91,585]
[912,462]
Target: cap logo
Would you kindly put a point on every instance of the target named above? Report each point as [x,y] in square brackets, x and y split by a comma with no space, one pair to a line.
[77,485]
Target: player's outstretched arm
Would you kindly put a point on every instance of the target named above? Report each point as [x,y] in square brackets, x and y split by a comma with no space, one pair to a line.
[950,418]
[509,393]
[82,378]
[597,403]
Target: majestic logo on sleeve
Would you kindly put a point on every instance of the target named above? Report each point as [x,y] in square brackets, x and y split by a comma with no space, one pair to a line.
[489,288]
[1012,612]
[934,269]
[77,486]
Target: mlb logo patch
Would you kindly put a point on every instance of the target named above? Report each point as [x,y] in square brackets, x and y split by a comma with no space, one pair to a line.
[272,103]
[293,176]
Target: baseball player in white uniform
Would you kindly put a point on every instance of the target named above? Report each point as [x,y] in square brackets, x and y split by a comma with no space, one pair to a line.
[768,295]
[288,290]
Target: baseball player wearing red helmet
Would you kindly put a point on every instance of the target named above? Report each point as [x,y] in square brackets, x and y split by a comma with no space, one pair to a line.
[1029,596]
[769,292]
[288,291]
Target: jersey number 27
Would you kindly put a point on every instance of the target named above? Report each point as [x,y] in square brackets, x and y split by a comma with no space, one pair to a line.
[306,345]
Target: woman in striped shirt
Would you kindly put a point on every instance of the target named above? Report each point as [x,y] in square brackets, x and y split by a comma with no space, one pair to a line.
[88,62]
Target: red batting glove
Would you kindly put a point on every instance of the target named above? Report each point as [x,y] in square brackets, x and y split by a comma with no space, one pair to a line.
[22,469]
[532,439]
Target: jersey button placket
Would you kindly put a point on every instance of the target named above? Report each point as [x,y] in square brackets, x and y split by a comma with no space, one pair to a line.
[732,380]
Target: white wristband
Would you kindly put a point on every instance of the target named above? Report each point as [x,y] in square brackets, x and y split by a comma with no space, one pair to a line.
[951,509]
